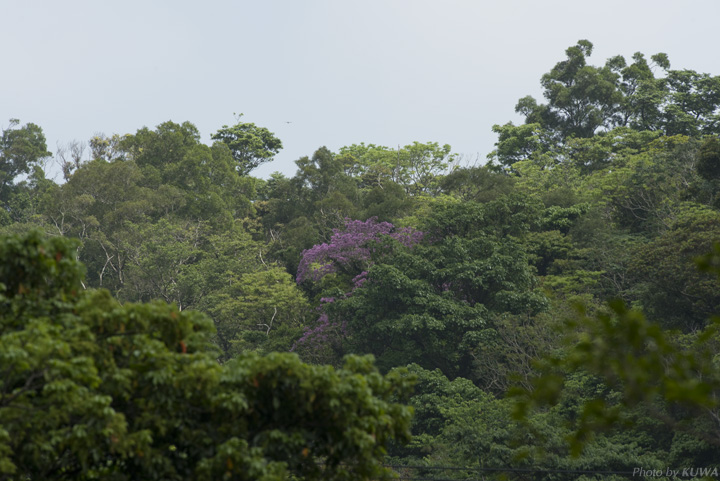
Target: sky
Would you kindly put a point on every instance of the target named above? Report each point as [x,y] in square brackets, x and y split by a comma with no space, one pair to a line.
[341,72]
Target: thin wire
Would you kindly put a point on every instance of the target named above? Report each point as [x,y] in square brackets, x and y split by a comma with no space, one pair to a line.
[438,479]
[507,469]
[479,470]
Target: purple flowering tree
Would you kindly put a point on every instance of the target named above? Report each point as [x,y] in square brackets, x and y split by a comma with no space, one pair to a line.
[350,251]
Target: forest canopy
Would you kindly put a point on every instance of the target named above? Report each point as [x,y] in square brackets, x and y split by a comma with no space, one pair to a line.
[167,315]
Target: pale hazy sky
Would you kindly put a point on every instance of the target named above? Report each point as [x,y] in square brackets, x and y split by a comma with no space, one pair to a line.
[343,72]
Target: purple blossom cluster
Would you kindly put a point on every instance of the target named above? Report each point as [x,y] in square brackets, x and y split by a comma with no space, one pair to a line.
[359,280]
[351,246]
[319,335]
[408,236]
[316,335]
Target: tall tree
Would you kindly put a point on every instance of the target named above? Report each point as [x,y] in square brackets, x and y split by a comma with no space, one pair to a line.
[581,98]
[693,103]
[584,100]
[251,146]
[21,149]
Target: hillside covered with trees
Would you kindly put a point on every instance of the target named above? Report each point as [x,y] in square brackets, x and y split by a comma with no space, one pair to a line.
[551,314]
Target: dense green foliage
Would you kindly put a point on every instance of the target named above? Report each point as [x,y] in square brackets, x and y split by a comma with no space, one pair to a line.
[94,389]
[577,271]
